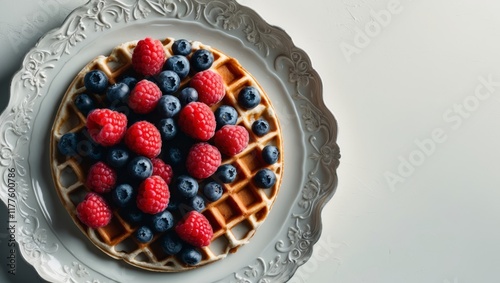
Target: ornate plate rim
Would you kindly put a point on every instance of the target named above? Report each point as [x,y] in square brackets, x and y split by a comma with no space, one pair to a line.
[303,84]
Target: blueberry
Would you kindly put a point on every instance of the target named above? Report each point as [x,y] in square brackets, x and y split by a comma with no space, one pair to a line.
[171,243]
[197,203]
[133,214]
[225,115]
[90,149]
[94,151]
[173,204]
[140,168]
[260,127]
[201,60]
[179,64]
[144,234]
[122,107]
[122,195]
[270,154]
[117,93]
[162,221]
[249,97]
[181,47]
[129,81]
[168,106]
[226,173]
[190,256]
[96,81]
[117,157]
[188,95]
[264,178]
[68,143]
[213,191]
[168,81]
[84,103]
[174,156]
[167,128]
[187,187]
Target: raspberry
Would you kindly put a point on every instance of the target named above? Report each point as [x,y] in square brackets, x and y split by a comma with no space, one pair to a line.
[210,87]
[153,195]
[195,229]
[101,178]
[148,57]
[144,97]
[106,127]
[93,211]
[203,160]
[197,121]
[144,139]
[231,139]
[162,169]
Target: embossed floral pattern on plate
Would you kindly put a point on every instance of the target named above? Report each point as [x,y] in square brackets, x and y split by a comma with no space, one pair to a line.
[38,245]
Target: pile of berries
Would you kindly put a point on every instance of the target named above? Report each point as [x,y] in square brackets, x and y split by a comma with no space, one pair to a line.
[156,149]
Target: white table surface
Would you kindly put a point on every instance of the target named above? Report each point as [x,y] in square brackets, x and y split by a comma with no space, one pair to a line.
[415,87]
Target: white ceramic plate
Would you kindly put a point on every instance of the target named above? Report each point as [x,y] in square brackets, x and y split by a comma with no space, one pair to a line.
[46,235]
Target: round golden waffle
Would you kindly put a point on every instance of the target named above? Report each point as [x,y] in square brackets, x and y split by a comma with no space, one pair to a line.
[234,218]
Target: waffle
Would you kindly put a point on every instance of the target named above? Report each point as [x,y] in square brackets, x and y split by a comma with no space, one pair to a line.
[234,218]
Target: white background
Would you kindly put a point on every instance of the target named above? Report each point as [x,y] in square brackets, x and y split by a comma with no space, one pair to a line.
[415,87]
